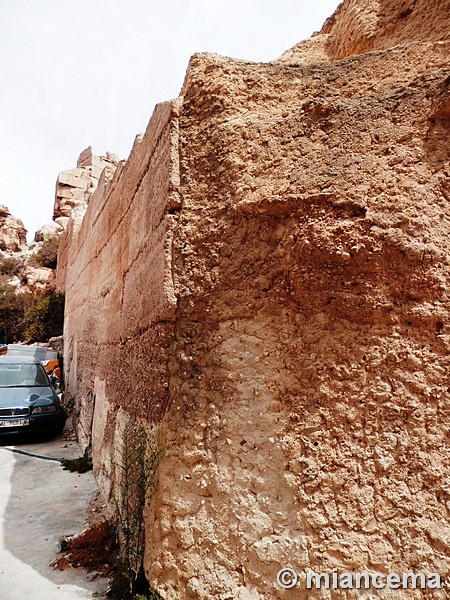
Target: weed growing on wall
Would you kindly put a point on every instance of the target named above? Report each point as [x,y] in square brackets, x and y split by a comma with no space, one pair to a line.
[136,480]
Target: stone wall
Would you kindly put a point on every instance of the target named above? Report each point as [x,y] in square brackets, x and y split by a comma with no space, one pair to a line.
[115,268]
[264,283]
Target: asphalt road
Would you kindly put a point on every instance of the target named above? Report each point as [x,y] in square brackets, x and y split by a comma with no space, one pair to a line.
[39,503]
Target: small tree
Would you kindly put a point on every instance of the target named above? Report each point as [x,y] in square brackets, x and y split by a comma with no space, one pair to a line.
[10,265]
[47,255]
[13,307]
[45,317]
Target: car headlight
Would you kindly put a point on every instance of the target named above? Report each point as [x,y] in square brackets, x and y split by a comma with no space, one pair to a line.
[44,409]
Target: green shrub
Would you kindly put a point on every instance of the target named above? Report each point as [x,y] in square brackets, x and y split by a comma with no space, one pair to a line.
[47,255]
[10,265]
[45,317]
[29,316]
[13,307]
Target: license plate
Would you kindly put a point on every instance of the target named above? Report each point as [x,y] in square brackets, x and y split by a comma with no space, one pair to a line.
[15,423]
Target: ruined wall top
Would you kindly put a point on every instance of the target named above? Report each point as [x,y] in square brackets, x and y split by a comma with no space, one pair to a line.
[360,26]
[74,187]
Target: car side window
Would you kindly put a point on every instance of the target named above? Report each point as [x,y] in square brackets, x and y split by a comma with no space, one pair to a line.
[41,377]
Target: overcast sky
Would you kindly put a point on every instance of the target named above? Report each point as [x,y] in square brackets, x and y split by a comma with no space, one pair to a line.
[89,72]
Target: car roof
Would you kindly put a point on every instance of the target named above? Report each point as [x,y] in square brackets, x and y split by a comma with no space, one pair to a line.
[19,360]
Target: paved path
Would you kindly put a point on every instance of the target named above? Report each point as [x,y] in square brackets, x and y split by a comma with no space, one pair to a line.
[39,502]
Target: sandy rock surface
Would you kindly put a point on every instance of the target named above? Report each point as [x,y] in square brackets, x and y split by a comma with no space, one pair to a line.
[271,271]
[74,187]
[12,231]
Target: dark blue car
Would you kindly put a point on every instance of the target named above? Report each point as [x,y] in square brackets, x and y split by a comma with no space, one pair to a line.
[28,400]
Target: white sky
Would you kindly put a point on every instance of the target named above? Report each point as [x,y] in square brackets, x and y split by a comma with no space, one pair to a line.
[75,73]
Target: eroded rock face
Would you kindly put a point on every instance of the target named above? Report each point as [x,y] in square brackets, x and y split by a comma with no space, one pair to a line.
[12,231]
[48,230]
[370,25]
[74,187]
[38,278]
[264,283]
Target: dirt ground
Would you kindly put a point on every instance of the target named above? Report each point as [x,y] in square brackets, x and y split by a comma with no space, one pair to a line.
[40,503]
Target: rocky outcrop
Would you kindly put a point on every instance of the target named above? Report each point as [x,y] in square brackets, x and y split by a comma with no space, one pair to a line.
[73,191]
[12,232]
[74,187]
[49,230]
[264,286]
[38,278]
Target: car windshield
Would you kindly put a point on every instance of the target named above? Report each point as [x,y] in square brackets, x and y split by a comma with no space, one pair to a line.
[32,375]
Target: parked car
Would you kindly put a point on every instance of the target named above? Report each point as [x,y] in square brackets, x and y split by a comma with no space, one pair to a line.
[28,400]
[49,358]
